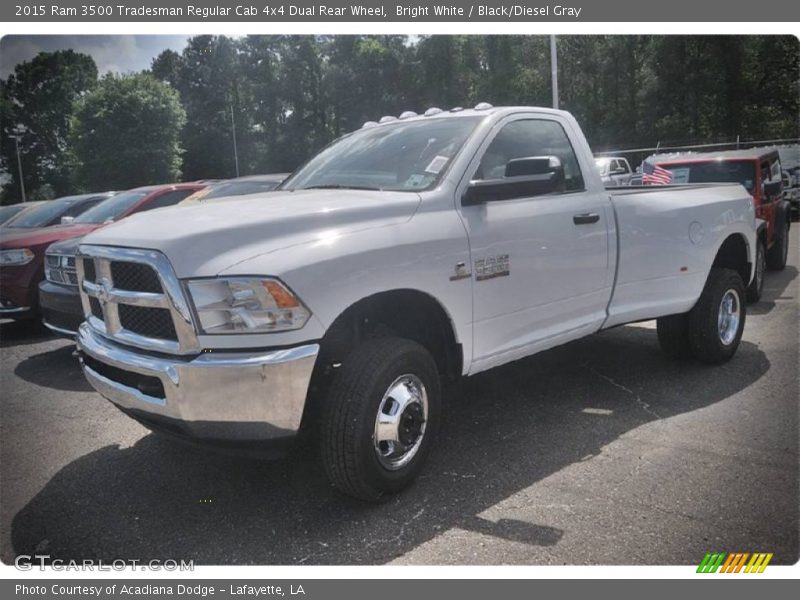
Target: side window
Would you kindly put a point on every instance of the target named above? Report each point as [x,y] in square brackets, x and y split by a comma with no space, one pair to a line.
[766,175]
[775,169]
[79,207]
[167,199]
[625,166]
[528,138]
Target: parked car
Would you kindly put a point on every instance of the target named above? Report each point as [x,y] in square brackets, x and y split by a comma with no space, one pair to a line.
[12,211]
[22,266]
[252,184]
[417,249]
[614,170]
[50,212]
[790,163]
[759,171]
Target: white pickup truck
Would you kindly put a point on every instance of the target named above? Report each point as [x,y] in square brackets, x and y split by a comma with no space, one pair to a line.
[413,250]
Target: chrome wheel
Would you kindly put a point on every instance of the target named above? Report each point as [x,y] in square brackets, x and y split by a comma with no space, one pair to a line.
[729,316]
[400,422]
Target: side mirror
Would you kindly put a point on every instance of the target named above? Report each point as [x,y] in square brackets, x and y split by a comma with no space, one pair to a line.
[618,171]
[772,188]
[524,177]
[67,220]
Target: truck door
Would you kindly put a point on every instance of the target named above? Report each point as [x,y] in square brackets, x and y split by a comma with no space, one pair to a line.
[541,265]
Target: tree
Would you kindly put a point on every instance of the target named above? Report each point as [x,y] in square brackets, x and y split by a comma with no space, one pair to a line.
[210,84]
[37,102]
[126,133]
[167,67]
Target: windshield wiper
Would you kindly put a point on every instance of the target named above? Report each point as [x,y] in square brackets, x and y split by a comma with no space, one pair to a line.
[338,186]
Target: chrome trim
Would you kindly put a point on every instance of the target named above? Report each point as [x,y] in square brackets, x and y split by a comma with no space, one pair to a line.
[60,330]
[8,311]
[62,266]
[238,396]
[110,298]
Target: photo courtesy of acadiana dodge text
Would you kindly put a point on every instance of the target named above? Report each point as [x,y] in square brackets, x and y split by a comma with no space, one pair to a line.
[399,299]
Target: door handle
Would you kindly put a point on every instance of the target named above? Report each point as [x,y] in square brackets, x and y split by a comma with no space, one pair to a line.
[585,218]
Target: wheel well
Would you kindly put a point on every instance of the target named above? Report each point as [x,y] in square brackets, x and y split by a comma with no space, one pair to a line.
[733,255]
[404,313]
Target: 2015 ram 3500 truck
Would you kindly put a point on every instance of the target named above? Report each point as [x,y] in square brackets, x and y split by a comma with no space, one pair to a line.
[413,250]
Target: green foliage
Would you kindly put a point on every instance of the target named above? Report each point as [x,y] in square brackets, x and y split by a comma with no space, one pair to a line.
[126,132]
[290,95]
[36,102]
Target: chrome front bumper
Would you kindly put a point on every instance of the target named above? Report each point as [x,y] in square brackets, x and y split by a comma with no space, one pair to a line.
[230,397]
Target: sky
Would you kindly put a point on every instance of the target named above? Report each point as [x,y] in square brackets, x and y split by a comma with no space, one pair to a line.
[117,53]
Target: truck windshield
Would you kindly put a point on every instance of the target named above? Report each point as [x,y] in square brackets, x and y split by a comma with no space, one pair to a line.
[403,156]
[113,208]
[717,171]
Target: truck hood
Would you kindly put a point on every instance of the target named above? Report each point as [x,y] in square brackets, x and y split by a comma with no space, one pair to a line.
[206,238]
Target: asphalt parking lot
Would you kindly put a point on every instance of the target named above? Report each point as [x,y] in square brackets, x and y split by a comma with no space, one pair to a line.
[599,452]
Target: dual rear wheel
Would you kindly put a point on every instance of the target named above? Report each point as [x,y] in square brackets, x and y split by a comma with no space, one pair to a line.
[712,330]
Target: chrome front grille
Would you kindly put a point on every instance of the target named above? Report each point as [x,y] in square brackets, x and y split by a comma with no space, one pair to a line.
[60,268]
[134,297]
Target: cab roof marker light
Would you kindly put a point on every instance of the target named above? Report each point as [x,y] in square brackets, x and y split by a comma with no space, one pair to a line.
[407,114]
[369,124]
[432,111]
[387,119]
[483,106]
[457,109]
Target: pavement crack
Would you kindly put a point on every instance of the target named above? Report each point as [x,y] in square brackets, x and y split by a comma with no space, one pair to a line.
[638,399]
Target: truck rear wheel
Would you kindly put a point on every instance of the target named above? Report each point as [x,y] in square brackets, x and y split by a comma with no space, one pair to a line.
[716,322]
[756,286]
[779,253]
[673,336]
[380,417]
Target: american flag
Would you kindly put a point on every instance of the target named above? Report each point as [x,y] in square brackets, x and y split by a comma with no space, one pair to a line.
[655,175]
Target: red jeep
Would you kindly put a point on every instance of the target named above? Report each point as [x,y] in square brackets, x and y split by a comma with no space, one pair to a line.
[759,171]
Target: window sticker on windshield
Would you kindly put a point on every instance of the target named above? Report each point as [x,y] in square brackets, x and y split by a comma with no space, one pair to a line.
[680,175]
[436,165]
[417,180]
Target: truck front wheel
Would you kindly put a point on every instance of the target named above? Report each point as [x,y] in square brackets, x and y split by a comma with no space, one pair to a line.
[716,322]
[380,417]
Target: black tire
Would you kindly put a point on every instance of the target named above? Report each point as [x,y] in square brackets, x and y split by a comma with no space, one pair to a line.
[673,336]
[756,287]
[705,339]
[779,253]
[351,407]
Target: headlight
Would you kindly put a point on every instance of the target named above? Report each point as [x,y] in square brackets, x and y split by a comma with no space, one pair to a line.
[19,256]
[246,305]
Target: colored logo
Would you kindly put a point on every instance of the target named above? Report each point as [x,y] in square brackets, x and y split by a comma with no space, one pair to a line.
[735,562]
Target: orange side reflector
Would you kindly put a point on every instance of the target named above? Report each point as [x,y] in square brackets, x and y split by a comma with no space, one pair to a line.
[281,296]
